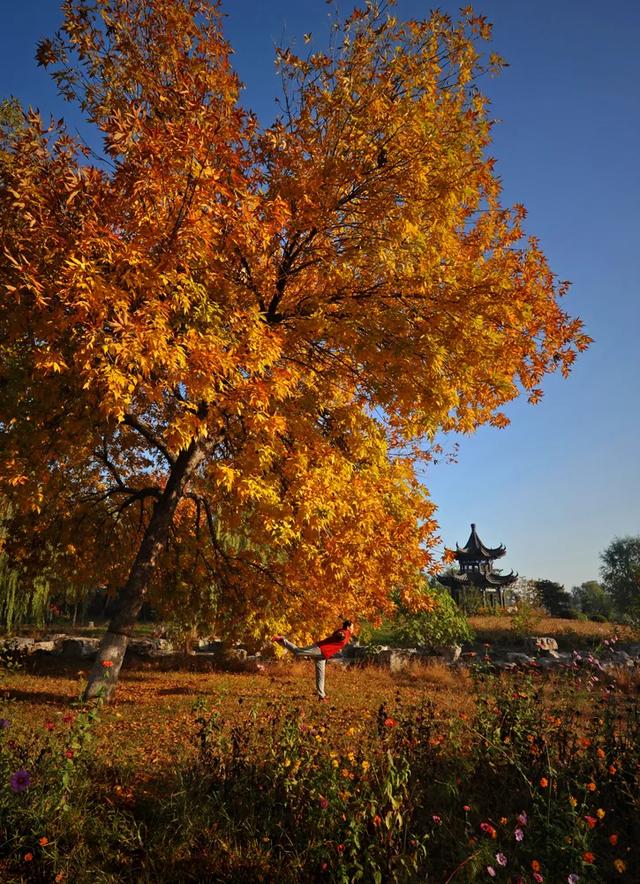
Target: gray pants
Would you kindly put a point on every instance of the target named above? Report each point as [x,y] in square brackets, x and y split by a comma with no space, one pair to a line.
[314,653]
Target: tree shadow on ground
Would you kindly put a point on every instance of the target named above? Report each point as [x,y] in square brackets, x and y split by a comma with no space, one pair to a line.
[180,691]
[49,697]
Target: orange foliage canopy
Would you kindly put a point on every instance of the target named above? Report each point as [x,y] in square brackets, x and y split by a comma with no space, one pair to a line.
[253,329]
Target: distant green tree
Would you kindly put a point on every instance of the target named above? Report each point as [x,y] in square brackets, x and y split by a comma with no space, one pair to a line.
[554,598]
[591,599]
[620,572]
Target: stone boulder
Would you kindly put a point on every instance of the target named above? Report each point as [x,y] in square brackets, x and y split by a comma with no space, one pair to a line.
[79,648]
[254,663]
[227,659]
[518,658]
[149,648]
[209,646]
[357,653]
[233,659]
[504,666]
[619,659]
[395,659]
[17,645]
[446,653]
[46,647]
[538,644]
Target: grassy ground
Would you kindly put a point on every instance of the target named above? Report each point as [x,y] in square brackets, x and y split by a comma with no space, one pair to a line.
[424,775]
[150,719]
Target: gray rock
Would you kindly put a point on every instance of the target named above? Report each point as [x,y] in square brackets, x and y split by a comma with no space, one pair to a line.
[143,647]
[395,659]
[358,653]
[149,648]
[547,662]
[447,653]
[79,648]
[46,647]
[239,654]
[549,653]
[622,658]
[535,644]
[209,646]
[518,658]
[254,663]
[18,644]
[231,659]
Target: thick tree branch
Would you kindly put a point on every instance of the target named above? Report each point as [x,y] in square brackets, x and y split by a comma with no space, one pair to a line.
[131,420]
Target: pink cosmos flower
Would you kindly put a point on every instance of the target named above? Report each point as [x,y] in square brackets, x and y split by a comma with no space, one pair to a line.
[519,834]
[538,877]
[491,871]
[523,819]
[501,859]
[20,780]
[573,878]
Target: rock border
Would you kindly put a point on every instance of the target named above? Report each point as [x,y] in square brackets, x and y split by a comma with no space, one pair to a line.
[211,655]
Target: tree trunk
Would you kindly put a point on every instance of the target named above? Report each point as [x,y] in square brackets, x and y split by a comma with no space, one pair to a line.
[104,674]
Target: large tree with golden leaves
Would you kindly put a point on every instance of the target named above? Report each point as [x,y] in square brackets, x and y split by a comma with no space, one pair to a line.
[223,347]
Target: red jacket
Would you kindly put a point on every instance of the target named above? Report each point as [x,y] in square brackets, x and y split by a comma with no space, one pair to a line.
[334,642]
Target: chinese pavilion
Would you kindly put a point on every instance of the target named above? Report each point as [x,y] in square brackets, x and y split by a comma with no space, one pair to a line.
[476,571]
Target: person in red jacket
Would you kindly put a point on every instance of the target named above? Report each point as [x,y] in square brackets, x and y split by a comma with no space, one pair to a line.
[321,651]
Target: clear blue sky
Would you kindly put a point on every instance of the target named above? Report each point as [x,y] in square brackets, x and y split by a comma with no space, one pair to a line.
[563,480]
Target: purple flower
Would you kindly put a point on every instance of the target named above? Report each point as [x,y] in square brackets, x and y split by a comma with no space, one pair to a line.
[523,819]
[20,780]
[573,878]
[501,859]
[4,724]
[519,834]
[491,871]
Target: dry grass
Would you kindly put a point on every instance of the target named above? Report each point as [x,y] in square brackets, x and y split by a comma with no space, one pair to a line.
[151,723]
[573,633]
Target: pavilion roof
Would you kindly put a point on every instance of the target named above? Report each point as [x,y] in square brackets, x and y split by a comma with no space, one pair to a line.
[475,550]
[479,579]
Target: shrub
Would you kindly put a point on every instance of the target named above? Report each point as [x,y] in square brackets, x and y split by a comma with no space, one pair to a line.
[445,625]
[526,618]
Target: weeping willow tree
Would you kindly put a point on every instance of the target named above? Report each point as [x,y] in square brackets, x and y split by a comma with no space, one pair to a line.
[10,603]
[21,601]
